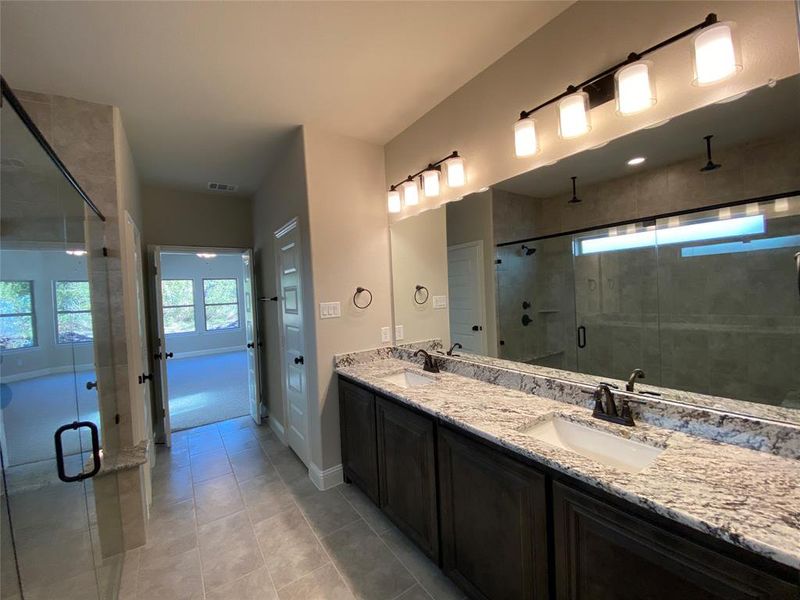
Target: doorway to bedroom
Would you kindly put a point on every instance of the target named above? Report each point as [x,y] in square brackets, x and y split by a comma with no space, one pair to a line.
[206,346]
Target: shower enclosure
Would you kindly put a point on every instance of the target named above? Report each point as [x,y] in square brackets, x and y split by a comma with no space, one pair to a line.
[61,532]
[706,301]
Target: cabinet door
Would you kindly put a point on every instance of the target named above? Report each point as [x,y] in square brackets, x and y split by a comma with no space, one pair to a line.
[603,553]
[359,444]
[407,473]
[493,521]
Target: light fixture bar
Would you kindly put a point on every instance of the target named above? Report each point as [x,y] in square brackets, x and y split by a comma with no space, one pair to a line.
[430,166]
[711,19]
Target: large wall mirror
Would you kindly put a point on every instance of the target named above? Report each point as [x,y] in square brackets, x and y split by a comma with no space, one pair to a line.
[651,260]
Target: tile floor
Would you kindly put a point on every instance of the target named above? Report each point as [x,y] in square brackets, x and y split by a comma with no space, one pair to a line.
[235,517]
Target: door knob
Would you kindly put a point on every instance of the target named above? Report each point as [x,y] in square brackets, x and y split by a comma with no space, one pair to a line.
[477,328]
[298,360]
[251,345]
[169,355]
[91,384]
[143,377]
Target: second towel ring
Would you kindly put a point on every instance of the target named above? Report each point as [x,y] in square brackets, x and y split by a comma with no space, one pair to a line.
[417,293]
[360,290]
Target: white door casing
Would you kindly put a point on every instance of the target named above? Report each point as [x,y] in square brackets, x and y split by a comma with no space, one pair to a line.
[251,336]
[160,348]
[465,280]
[288,267]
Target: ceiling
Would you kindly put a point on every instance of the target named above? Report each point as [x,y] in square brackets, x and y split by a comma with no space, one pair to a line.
[209,91]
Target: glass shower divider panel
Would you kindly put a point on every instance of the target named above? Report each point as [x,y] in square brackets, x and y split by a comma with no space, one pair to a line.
[60,539]
[729,301]
[616,301]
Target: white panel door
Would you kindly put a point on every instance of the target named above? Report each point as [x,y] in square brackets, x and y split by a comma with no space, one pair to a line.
[253,384]
[289,271]
[160,346]
[466,289]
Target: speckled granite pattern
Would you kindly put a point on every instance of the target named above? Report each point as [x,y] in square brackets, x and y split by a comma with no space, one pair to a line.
[750,499]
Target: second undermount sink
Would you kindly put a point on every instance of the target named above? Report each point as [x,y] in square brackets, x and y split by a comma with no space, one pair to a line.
[409,379]
[607,449]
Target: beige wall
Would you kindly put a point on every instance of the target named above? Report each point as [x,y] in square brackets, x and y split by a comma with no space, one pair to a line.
[282,197]
[181,218]
[468,221]
[583,40]
[419,256]
[349,248]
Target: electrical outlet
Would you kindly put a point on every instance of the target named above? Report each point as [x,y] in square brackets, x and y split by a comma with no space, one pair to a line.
[386,334]
[440,302]
[330,310]
[398,333]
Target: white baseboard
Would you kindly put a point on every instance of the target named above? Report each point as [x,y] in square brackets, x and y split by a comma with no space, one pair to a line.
[327,479]
[45,372]
[278,429]
[193,353]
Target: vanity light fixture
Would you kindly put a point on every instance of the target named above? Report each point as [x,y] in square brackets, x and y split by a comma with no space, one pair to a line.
[430,179]
[716,57]
[394,200]
[716,54]
[637,160]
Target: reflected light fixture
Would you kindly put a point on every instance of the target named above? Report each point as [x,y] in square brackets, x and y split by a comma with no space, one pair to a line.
[637,160]
[394,200]
[206,255]
[410,192]
[574,199]
[525,141]
[716,54]
[430,181]
[573,116]
[710,165]
[456,175]
[634,87]
[77,252]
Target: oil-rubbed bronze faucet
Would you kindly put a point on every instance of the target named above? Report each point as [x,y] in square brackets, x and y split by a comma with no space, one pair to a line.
[608,411]
[632,379]
[430,363]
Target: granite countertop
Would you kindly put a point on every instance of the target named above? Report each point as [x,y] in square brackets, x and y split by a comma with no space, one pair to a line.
[750,499]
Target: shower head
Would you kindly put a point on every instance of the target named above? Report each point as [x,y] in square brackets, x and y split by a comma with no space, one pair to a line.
[528,251]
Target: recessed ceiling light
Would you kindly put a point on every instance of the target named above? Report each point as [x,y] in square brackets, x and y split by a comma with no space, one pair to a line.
[636,161]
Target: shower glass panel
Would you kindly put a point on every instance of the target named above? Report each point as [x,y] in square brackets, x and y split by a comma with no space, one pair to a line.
[536,303]
[60,539]
[616,301]
[729,302]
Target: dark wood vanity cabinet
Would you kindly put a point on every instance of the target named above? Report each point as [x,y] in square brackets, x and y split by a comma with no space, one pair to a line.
[604,553]
[493,514]
[407,473]
[359,440]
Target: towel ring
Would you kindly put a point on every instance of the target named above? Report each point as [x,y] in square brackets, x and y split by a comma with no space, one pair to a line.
[416,294]
[360,290]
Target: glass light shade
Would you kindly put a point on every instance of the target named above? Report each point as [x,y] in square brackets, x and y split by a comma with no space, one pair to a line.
[635,88]
[573,116]
[525,141]
[410,193]
[456,175]
[430,183]
[716,54]
[394,201]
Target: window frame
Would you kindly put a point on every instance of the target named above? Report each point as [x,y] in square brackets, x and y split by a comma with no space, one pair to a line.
[57,312]
[193,306]
[32,315]
[207,304]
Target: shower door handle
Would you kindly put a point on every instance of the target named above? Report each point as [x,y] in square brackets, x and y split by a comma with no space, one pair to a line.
[797,268]
[62,474]
[581,337]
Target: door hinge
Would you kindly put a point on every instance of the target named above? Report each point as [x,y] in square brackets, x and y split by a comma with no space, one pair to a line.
[116,419]
[498,261]
[155,270]
[163,413]
[105,251]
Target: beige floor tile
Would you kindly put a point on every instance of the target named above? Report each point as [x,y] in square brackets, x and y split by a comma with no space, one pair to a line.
[323,584]
[209,465]
[253,586]
[217,498]
[265,497]
[171,578]
[228,550]
[239,440]
[415,593]
[173,486]
[250,463]
[326,511]
[365,507]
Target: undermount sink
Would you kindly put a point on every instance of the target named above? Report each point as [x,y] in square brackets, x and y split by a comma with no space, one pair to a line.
[409,379]
[605,448]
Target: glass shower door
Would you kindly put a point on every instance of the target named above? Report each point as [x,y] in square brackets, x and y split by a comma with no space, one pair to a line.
[61,536]
[616,301]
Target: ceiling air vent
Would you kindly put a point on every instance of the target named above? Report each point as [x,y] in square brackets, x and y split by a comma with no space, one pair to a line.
[221,187]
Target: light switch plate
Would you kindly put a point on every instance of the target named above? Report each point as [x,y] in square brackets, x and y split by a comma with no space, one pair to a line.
[440,302]
[398,333]
[386,334]
[330,310]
